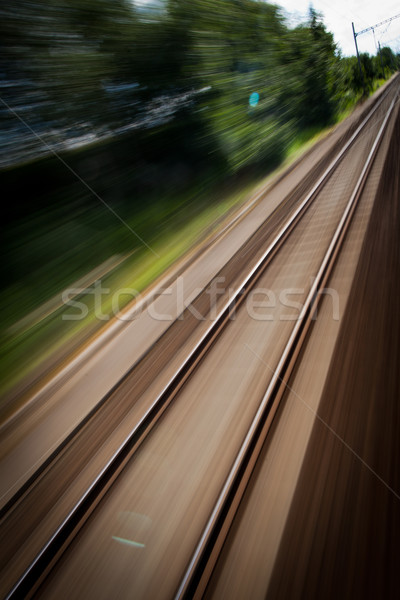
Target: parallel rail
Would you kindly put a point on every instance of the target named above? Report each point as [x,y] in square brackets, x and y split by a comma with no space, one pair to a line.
[203,561]
[204,557]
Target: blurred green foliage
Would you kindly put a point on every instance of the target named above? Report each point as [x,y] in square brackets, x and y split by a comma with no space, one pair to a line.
[164,89]
[115,64]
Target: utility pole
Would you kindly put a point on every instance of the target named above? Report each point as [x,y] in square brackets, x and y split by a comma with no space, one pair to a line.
[358,58]
[380,56]
[372,28]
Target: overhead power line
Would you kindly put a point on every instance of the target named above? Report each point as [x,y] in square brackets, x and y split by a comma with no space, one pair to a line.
[371,28]
[375,26]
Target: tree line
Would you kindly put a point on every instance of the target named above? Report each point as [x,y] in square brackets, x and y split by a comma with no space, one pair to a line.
[222,79]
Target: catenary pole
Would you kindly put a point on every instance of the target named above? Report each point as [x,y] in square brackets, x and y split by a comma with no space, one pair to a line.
[358,58]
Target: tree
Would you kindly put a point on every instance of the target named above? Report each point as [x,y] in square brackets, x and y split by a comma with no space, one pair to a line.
[311,64]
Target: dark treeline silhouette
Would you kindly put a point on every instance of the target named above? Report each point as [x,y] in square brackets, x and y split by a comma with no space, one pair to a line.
[81,67]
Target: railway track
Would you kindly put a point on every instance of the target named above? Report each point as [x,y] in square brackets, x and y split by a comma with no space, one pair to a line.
[267,246]
[323,501]
[197,576]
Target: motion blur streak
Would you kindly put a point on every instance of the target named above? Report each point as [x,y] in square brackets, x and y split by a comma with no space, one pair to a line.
[166,110]
[249,556]
[177,473]
[200,128]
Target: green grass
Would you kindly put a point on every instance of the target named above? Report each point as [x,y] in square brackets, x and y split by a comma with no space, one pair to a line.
[304,140]
[178,223]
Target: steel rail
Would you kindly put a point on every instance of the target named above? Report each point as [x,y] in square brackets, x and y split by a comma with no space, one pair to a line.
[24,488]
[49,554]
[202,563]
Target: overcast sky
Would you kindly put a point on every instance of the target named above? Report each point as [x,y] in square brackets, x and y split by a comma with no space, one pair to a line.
[338,15]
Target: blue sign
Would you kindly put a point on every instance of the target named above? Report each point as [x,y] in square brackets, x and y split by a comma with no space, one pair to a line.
[254,98]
